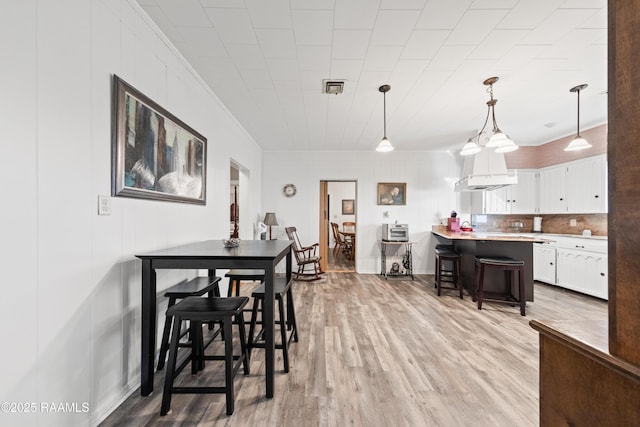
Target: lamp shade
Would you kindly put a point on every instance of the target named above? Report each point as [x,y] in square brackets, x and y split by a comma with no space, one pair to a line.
[471,147]
[270,219]
[578,143]
[384,146]
[507,147]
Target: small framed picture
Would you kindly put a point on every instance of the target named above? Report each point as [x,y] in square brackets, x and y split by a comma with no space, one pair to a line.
[348,207]
[392,193]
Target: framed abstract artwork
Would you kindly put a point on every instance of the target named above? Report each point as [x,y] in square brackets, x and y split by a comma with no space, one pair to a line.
[392,193]
[155,155]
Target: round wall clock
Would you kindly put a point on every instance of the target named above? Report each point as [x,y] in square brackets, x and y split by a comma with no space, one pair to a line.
[289,190]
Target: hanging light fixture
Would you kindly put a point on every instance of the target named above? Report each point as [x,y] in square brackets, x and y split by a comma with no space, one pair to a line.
[578,143]
[499,140]
[384,146]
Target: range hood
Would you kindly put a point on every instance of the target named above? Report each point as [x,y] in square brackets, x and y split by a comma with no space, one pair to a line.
[486,170]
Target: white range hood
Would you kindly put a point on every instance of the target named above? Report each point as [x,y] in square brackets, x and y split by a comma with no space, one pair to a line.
[486,170]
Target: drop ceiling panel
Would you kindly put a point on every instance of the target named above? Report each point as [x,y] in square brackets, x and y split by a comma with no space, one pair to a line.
[266,61]
[350,44]
[393,27]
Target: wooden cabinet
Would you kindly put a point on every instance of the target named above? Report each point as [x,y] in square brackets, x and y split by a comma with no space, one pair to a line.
[582,266]
[544,263]
[520,198]
[574,187]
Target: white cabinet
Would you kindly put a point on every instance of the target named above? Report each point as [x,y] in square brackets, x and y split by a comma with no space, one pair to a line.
[586,185]
[582,266]
[544,263]
[574,187]
[519,198]
[551,189]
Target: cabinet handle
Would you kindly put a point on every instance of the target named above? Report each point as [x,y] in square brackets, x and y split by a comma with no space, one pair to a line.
[561,199]
[596,196]
[550,263]
[580,246]
[513,201]
[602,274]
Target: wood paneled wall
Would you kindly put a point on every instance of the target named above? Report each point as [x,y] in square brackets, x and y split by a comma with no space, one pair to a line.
[624,176]
[552,153]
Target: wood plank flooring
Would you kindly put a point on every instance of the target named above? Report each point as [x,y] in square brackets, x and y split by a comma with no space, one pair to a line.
[375,352]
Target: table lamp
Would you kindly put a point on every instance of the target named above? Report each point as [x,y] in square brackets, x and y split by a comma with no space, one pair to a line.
[270,219]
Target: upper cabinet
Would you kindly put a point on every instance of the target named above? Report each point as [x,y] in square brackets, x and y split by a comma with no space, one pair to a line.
[519,198]
[574,187]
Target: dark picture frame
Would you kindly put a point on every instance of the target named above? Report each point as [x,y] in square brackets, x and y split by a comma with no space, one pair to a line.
[155,155]
[392,193]
[348,207]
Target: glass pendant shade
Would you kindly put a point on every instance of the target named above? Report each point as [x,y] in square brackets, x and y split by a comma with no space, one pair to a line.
[470,148]
[507,147]
[498,139]
[578,143]
[384,146]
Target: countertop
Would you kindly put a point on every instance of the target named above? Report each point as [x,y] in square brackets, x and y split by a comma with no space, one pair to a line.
[442,231]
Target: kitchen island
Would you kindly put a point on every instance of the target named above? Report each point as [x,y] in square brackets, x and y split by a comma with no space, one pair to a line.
[492,244]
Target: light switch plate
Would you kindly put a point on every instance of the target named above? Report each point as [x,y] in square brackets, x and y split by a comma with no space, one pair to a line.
[104,205]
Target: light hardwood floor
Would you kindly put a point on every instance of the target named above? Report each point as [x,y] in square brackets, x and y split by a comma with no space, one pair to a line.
[374,352]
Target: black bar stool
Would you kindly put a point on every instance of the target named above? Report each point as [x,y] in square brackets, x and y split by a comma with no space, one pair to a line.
[237,275]
[197,310]
[510,265]
[281,288]
[193,288]
[444,255]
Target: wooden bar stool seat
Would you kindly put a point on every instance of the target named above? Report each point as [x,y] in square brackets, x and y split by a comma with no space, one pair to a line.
[195,287]
[288,323]
[447,255]
[237,275]
[513,268]
[198,310]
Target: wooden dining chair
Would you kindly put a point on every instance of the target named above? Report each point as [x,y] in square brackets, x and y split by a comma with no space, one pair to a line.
[306,256]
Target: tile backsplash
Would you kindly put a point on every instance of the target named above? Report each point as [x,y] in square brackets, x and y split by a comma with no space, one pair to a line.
[551,223]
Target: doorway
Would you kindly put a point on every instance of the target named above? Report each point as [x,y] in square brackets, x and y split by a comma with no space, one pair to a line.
[338,205]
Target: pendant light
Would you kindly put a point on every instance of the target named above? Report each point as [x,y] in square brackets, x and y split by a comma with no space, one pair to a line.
[384,146]
[499,140]
[578,143]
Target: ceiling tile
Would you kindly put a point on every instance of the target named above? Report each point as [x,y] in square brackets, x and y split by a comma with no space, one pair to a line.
[393,27]
[355,14]
[312,4]
[270,14]
[474,26]
[232,25]
[277,43]
[283,69]
[346,69]
[184,13]
[202,40]
[313,27]
[350,44]
[424,44]
[528,14]
[493,4]
[312,80]
[498,43]
[557,25]
[382,58]
[218,68]
[442,14]
[403,4]
[256,79]
[450,57]
[314,58]
[247,56]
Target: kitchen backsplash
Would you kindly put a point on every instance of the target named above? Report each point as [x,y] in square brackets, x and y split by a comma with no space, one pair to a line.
[551,223]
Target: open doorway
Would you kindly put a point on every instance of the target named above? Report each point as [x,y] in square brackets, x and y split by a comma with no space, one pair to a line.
[338,209]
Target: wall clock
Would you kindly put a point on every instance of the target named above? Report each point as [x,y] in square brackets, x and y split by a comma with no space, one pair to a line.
[289,190]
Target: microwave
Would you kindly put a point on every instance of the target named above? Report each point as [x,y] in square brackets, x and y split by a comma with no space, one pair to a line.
[395,232]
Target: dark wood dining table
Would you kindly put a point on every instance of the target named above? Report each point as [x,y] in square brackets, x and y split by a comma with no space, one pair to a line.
[210,255]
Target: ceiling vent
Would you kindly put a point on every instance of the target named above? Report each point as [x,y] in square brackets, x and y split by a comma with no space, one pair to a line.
[332,87]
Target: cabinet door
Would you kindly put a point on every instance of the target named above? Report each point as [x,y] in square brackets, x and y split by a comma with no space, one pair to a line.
[544,263]
[498,201]
[523,195]
[586,185]
[583,271]
[552,189]
[596,282]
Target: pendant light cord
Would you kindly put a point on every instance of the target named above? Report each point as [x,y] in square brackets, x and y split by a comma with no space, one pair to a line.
[578,125]
[384,112]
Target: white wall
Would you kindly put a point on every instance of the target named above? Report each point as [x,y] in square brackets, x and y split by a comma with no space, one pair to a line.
[71,283]
[430,196]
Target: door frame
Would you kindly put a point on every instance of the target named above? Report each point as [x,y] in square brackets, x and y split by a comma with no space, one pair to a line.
[323,217]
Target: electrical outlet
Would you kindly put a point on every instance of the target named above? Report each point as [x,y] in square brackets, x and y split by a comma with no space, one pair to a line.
[104,205]
[572,222]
